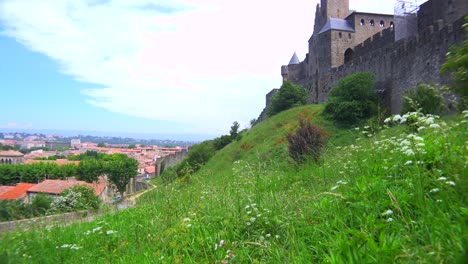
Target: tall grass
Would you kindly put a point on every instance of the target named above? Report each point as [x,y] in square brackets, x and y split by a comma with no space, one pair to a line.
[390,197]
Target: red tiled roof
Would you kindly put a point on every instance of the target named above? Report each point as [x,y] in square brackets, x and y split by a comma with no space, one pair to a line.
[59,162]
[4,188]
[57,186]
[17,191]
[10,153]
[150,169]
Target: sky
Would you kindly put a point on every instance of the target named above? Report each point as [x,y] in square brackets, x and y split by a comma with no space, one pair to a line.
[153,67]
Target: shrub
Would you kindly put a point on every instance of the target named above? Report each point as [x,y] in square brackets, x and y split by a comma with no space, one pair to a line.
[457,65]
[427,99]
[80,197]
[222,141]
[289,95]
[352,100]
[306,143]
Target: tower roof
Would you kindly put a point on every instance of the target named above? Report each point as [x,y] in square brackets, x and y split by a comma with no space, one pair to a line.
[337,24]
[294,59]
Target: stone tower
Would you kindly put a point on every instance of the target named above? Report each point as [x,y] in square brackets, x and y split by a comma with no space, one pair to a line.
[335,8]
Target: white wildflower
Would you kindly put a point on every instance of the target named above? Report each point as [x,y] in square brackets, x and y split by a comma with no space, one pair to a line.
[434,126]
[389,220]
[222,243]
[186,219]
[434,190]
[252,219]
[451,183]
[442,179]
[334,187]
[409,162]
[189,225]
[388,212]
[108,232]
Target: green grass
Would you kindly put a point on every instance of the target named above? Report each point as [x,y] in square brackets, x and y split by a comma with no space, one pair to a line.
[248,204]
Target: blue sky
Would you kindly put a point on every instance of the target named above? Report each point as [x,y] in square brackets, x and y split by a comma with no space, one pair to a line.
[143,66]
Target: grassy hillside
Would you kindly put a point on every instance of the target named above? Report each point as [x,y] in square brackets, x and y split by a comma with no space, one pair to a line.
[390,197]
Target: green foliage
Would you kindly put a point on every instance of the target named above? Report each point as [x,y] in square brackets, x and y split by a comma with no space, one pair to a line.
[457,64]
[40,204]
[198,155]
[352,100]
[222,141]
[306,143]
[368,200]
[79,197]
[15,209]
[131,146]
[89,170]
[253,122]
[427,99]
[234,130]
[120,170]
[289,95]
[34,173]
[101,145]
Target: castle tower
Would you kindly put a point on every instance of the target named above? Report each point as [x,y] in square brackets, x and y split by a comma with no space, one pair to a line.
[335,8]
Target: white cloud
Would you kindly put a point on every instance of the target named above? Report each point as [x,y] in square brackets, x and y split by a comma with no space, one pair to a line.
[204,63]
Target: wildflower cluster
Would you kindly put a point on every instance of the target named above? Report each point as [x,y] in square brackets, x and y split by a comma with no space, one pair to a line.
[230,254]
[416,121]
[70,246]
[387,215]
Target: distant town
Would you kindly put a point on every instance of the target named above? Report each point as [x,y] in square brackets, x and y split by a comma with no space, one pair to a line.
[61,151]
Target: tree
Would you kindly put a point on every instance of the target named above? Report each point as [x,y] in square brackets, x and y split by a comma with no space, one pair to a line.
[426,98]
[120,170]
[131,146]
[253,122]
[457,64]
[234,130]
[101,145]
[354,99]
[89,170]
[289,95]
[222,141]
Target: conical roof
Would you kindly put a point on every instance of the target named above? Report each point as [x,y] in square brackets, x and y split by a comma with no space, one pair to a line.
[294,59]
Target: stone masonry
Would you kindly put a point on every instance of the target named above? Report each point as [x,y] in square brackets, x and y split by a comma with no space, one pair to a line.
[345,42]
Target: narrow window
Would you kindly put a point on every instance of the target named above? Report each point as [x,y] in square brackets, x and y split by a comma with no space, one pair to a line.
[391,24]
[372,22]
[382,23]
[363,22]
[340,35]
[349,35]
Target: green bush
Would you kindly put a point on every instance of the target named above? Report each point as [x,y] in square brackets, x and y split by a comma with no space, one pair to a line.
[289,95]
[79,197]
[353,100]
[457,65]
[306,143]
[427,99]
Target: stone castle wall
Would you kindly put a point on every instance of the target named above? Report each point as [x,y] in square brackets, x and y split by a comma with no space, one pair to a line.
[399,66]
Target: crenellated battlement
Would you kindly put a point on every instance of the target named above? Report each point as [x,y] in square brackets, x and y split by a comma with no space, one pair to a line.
[339,47]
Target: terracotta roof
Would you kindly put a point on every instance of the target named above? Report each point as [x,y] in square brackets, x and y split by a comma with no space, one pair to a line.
[10,153]
[59,162]
[150,169]
[4,188]
[57,186]
[17,191]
